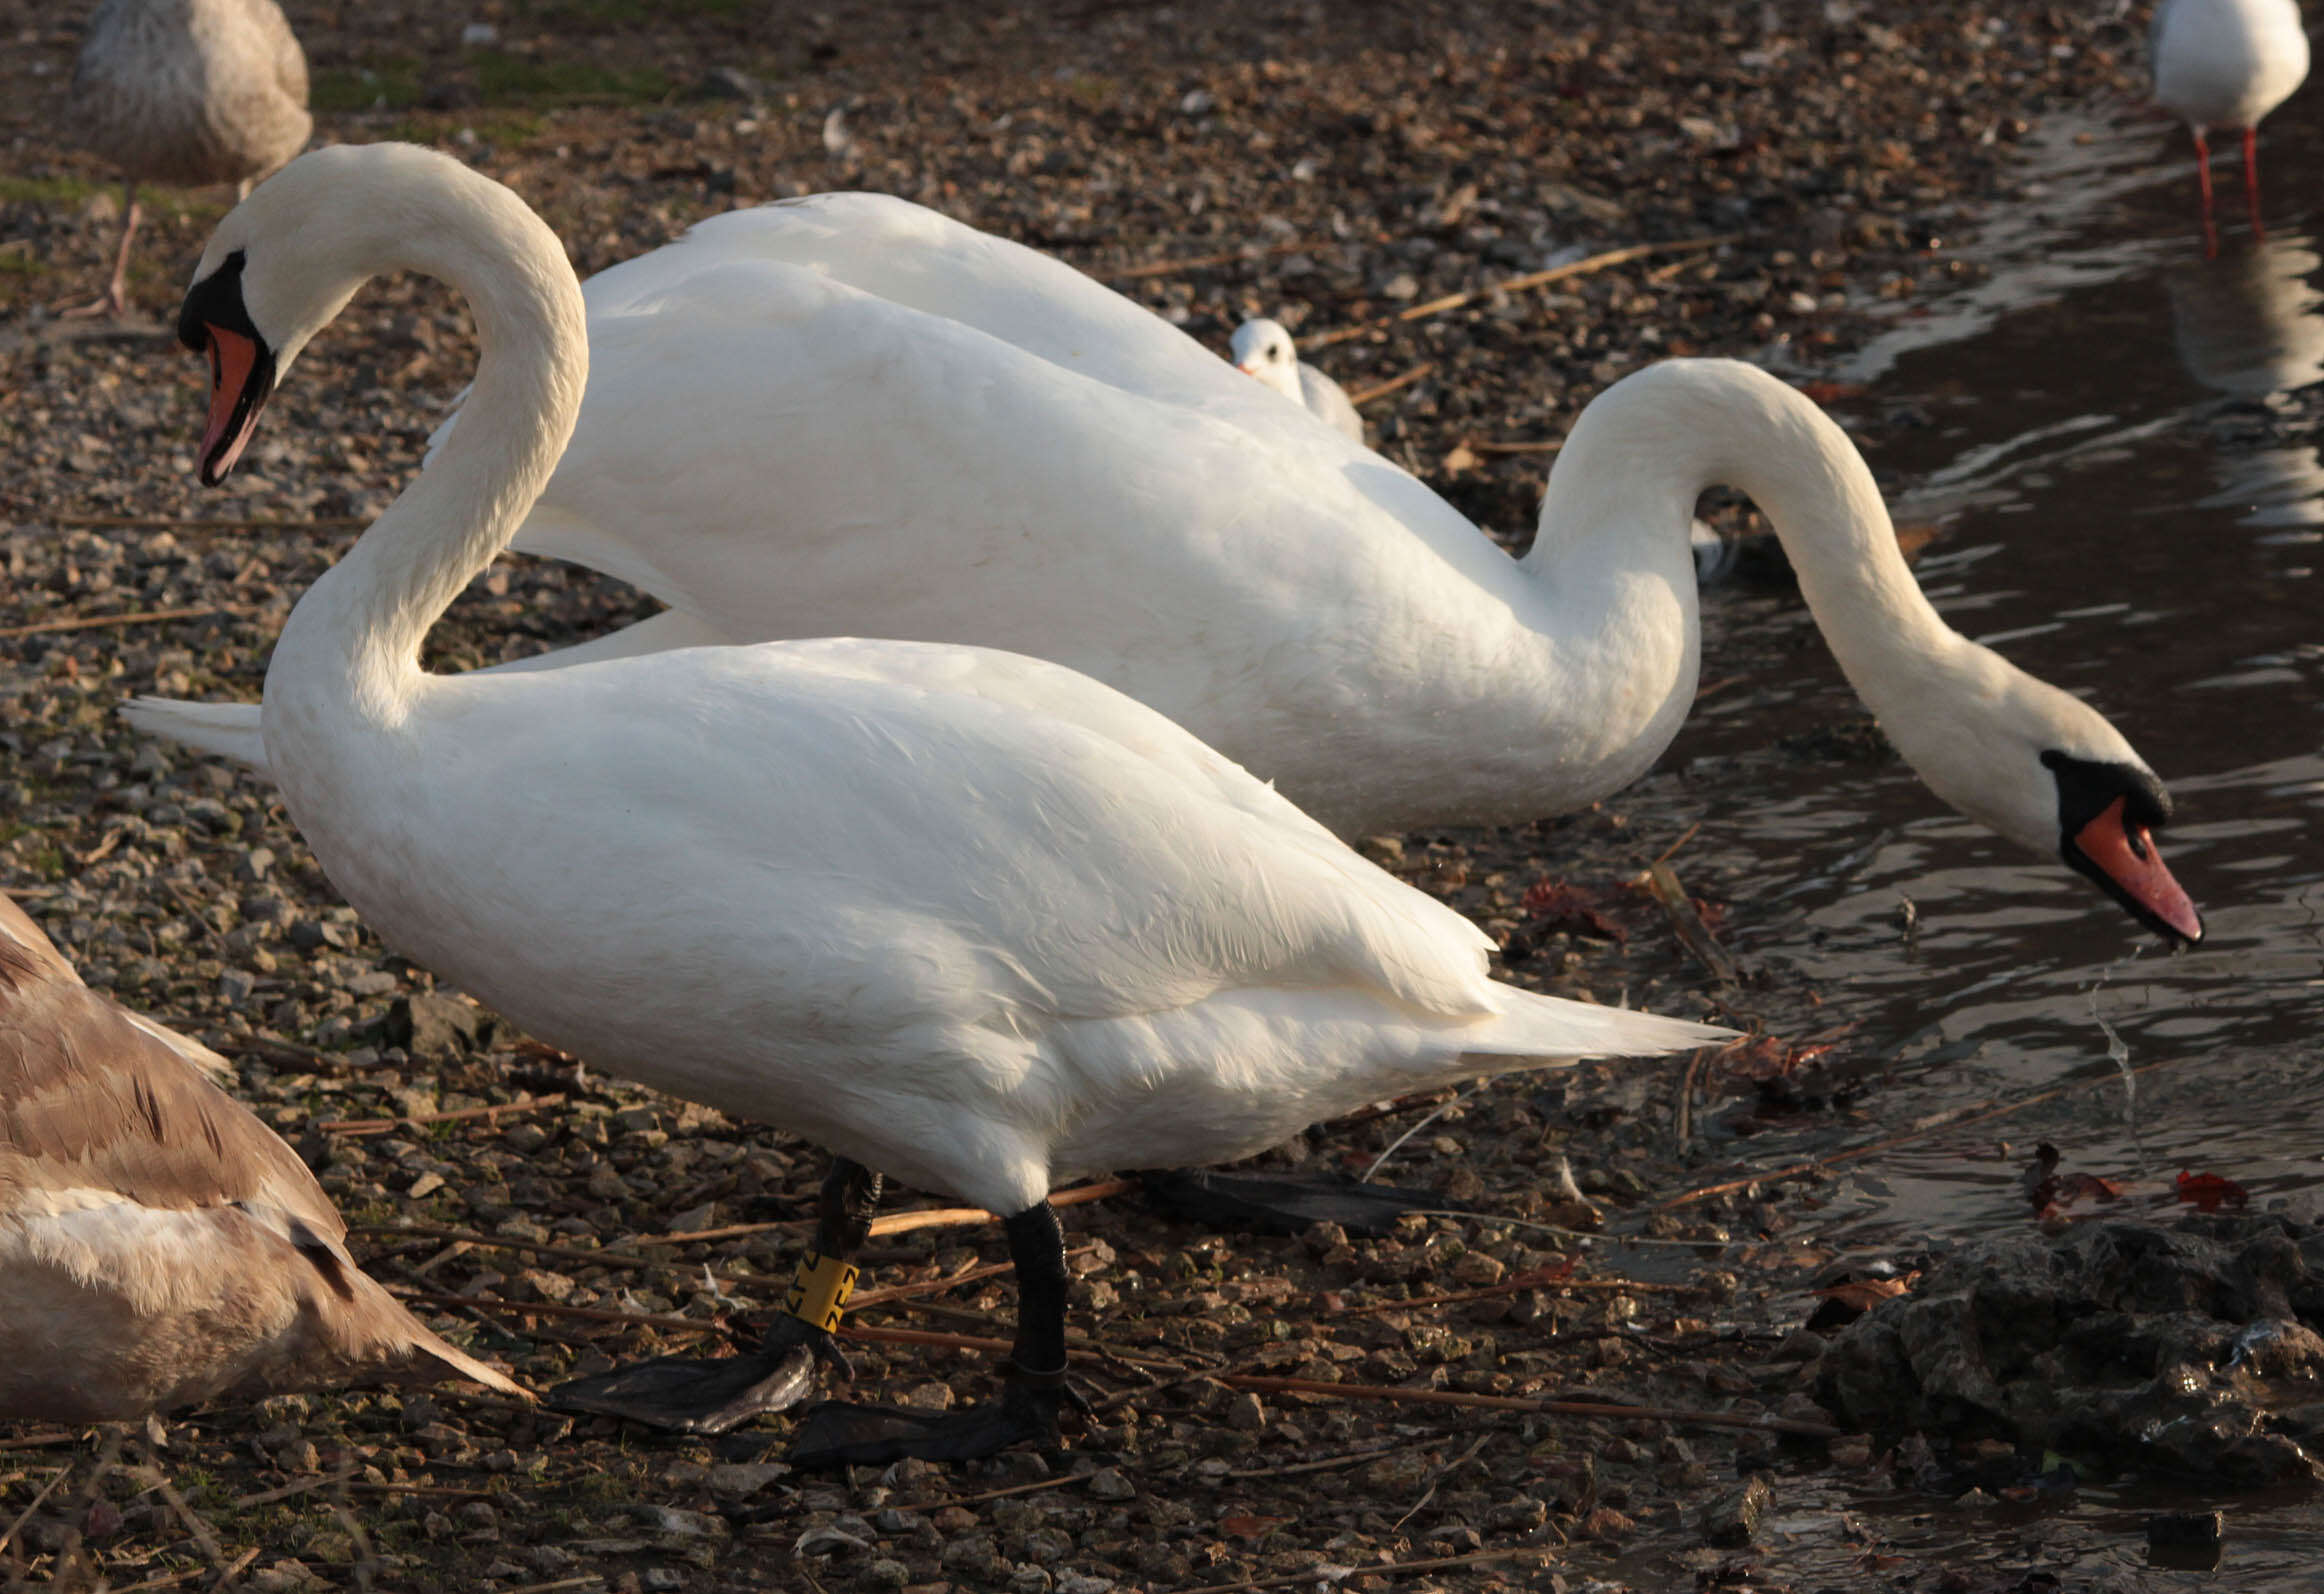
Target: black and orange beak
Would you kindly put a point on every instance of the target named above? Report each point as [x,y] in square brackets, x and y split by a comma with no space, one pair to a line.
[215,322]
[2120,855]
[2107,815]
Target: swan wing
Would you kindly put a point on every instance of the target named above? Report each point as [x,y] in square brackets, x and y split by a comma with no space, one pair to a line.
[922,260]
[994,823]
[790,456]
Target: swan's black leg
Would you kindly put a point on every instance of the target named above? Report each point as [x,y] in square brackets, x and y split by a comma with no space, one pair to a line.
[711,1395]
[834,1434]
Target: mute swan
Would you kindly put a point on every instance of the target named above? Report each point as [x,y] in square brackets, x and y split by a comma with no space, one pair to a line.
[186,91]
[1262,348]
[2226,64]
[961,916]
[852,415]
[158,1245]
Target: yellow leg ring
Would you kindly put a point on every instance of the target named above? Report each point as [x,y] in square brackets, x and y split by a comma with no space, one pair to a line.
[819,1291]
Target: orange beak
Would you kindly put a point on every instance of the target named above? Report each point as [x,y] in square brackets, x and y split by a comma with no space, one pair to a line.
[234,404]
[2126,855]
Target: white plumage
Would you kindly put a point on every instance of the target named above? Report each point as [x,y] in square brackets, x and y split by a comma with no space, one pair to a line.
[1263,348]
[851,415]
[2223,65]
[963,915]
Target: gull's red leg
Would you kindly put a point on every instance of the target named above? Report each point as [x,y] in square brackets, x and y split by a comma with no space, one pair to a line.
[2251,180]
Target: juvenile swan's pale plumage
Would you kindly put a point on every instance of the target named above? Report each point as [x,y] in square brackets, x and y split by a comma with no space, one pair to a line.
[187,91]
[158,1245]
[850,415]
[1263,348]
[961,916]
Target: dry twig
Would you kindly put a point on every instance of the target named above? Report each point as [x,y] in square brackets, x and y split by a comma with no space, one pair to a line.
[382,1126]
[1663,883]
[1379,390]
[1531,279]
[1171,268]
[93,622]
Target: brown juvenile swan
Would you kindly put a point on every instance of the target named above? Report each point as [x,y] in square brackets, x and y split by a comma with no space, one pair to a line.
[187,91]
[159,1246]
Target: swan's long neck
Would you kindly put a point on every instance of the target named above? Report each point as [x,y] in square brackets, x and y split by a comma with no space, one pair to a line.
[355,637]
[1643,452]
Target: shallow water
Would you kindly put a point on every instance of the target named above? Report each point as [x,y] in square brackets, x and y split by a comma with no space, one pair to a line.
[2104,530]
[2107,531]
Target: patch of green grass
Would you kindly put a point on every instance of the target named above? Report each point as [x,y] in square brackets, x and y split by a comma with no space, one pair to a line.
[496,127]
[48,190]
[503,78]
[1095,92]
[385,85]
[49,863]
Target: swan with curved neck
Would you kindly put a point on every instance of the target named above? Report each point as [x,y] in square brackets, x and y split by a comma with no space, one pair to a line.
[961,916]
[850,415]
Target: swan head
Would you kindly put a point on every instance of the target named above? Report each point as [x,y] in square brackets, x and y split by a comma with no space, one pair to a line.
[286,260]
[2044,768]
[1262,348]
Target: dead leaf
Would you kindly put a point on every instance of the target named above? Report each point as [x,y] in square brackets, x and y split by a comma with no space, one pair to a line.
[1763,1058]
[1553,905]
[1865,1294]
[2208,1192]
[1460,457]
[1250,1527]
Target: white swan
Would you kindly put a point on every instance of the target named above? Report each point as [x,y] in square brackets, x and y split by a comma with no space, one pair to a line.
[2226,64]
[159,1246]
[186,91]
[959,915]
[851,415]
[1263,348]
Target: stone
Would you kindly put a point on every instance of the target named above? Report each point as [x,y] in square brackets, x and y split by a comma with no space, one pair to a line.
[429,1023]
[1732,1519]
[1109,1484]
[739,1479]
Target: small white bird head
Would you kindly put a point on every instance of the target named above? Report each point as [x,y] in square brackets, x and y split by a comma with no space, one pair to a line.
[1262,348]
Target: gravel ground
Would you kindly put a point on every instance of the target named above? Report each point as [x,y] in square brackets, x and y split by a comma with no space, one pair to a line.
[1329,165]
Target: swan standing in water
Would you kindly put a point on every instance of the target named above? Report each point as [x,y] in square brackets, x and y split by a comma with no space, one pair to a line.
[186,91]
[961,916]
[159,1246]
[850,415]
[1263,348]
[2225,64]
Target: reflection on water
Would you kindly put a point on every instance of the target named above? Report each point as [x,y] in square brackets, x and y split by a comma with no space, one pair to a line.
[2245,323]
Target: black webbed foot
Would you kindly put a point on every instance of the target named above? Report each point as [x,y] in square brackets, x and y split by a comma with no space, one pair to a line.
[693,1395]
[701,1395]
[1276,1204]
[836,1434]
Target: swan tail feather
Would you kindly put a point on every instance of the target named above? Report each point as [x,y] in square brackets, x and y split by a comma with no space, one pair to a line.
[1534,1030]
[229,730]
